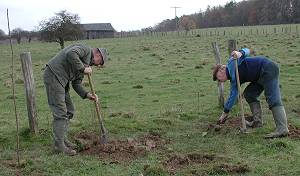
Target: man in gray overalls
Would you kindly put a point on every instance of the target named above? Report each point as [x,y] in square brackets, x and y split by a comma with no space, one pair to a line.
[69,65]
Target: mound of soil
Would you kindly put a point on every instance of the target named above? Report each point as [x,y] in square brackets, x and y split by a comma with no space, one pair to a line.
[118,150]
[294,132]
[232,169]
[236,122]
[176,161]
[232,122]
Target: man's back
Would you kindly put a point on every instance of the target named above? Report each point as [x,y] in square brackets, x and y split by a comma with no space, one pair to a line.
[250,68]
[69,61]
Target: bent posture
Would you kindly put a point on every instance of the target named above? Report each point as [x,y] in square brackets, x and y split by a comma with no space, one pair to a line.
[263,75]
[68,66]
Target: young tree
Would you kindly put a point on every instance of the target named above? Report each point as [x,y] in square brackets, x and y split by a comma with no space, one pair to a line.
[60,28]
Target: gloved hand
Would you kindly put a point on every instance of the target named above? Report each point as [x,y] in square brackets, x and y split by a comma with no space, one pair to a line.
[92,97]
[236,54]
[222,118]
[87,70]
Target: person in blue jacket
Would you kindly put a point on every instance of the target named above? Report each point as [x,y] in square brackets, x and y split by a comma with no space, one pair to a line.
[263,75]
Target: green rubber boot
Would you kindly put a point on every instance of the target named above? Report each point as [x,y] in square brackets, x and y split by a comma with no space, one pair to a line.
[257,115]
[280,119]
[58,136]
[68,143]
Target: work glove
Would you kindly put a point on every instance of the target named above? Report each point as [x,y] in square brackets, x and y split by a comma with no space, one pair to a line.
[92,97]
[236,54]
[87,70]
[222,118]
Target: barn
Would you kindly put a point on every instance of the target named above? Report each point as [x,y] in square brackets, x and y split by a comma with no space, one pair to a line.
[97,30]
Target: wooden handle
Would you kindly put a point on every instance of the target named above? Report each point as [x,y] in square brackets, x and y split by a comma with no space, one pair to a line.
[240,93]
[102,128]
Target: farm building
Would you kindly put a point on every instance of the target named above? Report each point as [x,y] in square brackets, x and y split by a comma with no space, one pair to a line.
[98,30]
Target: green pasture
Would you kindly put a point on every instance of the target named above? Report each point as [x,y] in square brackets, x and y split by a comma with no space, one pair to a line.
[165,84]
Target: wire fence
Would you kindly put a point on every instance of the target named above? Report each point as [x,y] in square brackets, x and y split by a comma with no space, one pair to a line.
[220,31]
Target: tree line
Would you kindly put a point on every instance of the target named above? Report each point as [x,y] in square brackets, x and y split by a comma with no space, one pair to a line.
[251,12]
[19,33]
[66,26]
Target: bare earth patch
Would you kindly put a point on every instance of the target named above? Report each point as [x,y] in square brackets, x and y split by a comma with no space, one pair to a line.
[232,122]
[175,162]
[13,164]
[294,132]
[236,122]
[232,169]
[118,150]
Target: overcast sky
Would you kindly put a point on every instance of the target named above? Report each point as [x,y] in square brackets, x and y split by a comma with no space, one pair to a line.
[122,14]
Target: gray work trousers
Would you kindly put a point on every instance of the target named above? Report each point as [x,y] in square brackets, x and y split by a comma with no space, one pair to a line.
[59,98]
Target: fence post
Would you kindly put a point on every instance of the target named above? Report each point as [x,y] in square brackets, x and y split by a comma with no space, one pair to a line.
[30,91]
[219,84]
[231,46]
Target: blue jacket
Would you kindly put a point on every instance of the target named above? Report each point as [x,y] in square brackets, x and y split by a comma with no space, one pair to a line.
[249,71]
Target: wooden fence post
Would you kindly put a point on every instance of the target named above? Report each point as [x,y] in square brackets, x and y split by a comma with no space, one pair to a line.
[231,46]
[219,84]
[30,91]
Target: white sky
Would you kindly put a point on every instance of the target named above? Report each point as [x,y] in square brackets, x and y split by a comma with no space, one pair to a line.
[122,14]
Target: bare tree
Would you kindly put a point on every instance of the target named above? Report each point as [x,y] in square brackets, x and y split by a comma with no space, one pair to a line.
[60,28]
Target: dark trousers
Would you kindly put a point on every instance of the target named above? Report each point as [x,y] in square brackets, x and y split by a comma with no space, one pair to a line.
[269,83]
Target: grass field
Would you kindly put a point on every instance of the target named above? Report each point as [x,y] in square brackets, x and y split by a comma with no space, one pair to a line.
[159,86]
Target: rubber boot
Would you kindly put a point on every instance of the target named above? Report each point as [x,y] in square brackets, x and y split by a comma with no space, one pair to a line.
[58,136]
[257,115]
[280,119]
[68,143]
